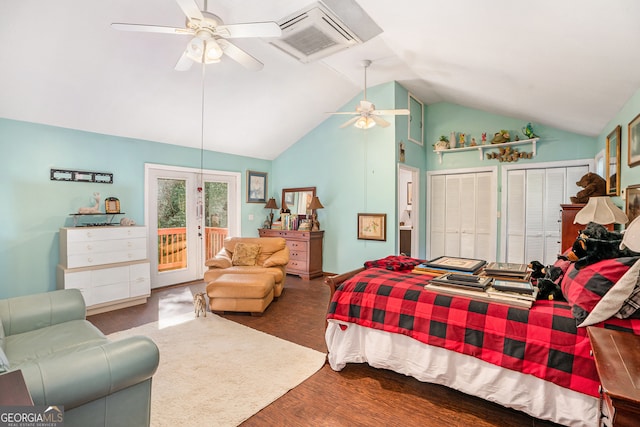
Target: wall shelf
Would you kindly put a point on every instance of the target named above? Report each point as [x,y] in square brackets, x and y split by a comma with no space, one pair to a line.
[482,148]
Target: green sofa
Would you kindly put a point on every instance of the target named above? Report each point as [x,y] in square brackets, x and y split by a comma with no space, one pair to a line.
[67,361]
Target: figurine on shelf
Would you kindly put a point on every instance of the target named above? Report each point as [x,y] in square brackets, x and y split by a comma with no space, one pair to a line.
[92,209]
[528,131]
[462,139]
[484,138]
[473,142]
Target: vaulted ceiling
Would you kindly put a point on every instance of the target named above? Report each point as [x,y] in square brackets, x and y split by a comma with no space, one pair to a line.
[569,64]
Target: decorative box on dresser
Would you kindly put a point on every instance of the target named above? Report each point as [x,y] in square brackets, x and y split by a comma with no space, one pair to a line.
[305,251]
[108,264]
[569,230]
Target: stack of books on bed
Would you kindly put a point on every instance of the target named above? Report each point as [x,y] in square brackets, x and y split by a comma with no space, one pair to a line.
[507,271]
[448,264]
[489,294]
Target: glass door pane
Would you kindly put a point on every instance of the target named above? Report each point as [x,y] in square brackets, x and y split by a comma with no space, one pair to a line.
[216,216]
[172,224]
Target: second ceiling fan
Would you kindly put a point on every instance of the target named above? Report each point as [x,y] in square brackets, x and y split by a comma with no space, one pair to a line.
[366,115]
[210,36]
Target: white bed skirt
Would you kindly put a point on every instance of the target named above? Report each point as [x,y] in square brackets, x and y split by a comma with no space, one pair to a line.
[400,353]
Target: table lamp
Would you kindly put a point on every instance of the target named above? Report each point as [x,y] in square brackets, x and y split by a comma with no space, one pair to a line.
[315,204]
[600,210]
[271,204]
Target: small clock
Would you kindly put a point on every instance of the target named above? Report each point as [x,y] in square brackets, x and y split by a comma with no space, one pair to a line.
[111,205]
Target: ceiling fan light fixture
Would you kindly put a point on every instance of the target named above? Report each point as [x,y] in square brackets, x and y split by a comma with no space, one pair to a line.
[364,123]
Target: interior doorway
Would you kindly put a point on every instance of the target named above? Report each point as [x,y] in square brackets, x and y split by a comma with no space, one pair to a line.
[189,212]
[408,210]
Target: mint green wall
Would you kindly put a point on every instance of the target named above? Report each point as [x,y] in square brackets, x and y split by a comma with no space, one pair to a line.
[554,144]
[630,176]
[354,172]
[33,207]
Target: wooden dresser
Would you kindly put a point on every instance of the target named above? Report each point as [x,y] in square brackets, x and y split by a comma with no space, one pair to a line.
[305,251]
[617,357]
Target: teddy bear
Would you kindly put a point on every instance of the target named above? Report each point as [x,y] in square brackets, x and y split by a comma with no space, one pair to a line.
[547,279]
[593,185]
[596,243]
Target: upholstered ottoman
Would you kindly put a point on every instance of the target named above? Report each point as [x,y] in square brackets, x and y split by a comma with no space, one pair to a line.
[241,292]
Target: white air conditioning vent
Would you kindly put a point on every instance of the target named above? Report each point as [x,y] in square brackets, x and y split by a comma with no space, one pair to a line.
[313,34]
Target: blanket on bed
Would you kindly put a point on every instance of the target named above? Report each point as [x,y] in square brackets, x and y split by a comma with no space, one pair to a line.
[543,341]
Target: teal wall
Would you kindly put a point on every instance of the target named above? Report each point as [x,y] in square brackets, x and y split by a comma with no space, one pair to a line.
[630,176]
[33,207]
[554,144]
[354,172]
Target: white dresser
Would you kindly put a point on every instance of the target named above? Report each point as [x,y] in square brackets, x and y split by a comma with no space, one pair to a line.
[108,264]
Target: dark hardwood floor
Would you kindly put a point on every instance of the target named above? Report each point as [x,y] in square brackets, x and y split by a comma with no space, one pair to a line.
[357,396]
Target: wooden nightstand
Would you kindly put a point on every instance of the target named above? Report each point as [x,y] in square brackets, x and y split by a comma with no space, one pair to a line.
[13,390]
[617,357]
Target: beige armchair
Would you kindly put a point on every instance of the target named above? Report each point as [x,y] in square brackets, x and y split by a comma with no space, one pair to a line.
[271,258]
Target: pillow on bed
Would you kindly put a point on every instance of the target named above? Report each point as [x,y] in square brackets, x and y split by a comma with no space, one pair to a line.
[394,263]
[585,287]
[622,300]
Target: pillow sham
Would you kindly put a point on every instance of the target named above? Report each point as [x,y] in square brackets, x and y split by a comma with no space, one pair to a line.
[620,301]
[584,288]
[245,254]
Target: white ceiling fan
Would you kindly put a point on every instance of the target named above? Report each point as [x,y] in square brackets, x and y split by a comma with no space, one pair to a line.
[366,114]
[210,36]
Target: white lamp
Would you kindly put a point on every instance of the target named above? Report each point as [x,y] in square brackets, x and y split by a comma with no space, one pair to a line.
[364,123]
[631,236]
[600,210]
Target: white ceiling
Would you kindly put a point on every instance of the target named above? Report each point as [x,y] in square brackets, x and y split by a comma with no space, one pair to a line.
[569,64]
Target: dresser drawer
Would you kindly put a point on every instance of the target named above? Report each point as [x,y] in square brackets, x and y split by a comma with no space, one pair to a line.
[298,255]
[117,245]
[87,234]
[297,245]
[297,265]
[103,258]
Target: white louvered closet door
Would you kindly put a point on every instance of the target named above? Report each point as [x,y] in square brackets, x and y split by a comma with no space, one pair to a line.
[462,215]
[532,212]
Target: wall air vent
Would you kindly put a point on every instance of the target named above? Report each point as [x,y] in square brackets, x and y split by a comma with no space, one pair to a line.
[313,34]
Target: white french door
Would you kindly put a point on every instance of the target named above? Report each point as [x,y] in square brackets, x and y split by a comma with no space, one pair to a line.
[189,212]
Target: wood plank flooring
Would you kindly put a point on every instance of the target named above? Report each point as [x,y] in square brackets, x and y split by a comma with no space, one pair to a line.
[357,396]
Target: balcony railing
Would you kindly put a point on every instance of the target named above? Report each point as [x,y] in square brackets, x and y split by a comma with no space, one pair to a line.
[172,246]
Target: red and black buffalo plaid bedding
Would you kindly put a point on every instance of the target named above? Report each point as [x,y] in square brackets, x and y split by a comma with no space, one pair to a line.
[543,341]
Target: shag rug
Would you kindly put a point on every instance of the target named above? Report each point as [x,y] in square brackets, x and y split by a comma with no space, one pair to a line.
[216,372]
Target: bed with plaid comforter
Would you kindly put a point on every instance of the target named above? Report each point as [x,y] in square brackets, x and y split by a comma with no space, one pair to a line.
[543,341]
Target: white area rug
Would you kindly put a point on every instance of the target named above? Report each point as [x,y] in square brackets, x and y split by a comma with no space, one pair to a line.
[215,372]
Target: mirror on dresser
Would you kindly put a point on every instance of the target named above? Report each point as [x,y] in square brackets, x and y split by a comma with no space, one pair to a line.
[297,200]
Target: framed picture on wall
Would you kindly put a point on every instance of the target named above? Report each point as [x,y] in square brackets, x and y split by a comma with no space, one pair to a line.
[634,142]
[372,226]
[633,201]
[256,187]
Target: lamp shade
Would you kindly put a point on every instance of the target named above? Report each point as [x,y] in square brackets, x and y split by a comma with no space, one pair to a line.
[365,123]
[271,204]
[315,203]
[600,210]
[631,236]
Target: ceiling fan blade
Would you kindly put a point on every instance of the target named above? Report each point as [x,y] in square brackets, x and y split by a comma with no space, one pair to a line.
[350,122]
[239,55]
[184,63]
[344,112]
[255,29]
[191,9]
[400,112]
[151,28]
[380,121]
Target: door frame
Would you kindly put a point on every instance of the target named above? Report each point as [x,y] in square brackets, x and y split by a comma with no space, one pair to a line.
[234,220]
[415,208]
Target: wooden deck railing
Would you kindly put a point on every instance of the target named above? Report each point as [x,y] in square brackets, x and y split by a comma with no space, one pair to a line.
[172,246]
